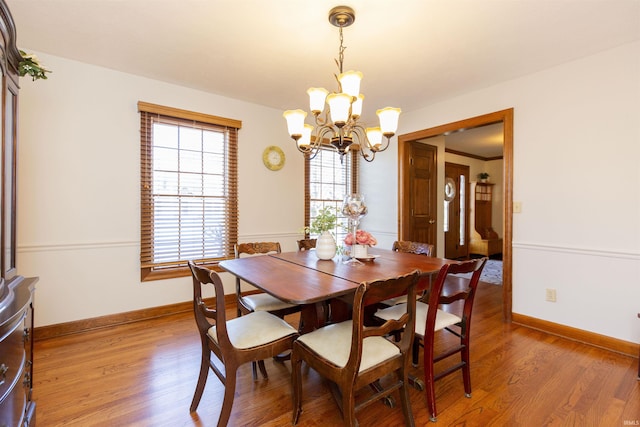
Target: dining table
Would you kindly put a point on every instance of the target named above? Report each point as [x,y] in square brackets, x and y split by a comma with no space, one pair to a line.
[321,287]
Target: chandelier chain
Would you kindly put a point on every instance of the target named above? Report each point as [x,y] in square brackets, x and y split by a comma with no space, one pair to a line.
[341,52]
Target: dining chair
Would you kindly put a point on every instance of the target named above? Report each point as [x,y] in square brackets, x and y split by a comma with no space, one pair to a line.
[431,319]
[260,301]
[419,248]
[413,247]
[353,355]
[306,244]
[234,342]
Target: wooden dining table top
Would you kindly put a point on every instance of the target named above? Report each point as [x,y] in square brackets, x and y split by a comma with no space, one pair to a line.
[301,278]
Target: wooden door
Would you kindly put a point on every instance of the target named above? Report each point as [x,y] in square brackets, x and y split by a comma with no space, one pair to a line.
[456,224]
[423,205]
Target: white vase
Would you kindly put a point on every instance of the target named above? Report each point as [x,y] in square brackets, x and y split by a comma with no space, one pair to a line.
[326,246]
[360,251]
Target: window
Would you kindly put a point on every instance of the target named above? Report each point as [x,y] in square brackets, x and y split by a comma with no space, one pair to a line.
[327,181]
[188,182]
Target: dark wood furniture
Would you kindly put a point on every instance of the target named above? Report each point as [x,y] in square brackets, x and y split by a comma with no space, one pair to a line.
[338,352]
[250,338]
[306,244]
[248,303]
[301,278]
[484,240]
[412,247]
[16,292]
[260,302]
[431,319]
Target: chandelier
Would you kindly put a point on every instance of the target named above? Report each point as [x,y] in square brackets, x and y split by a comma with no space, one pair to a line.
[339,124]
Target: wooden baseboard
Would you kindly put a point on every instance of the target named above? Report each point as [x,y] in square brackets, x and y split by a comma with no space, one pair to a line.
[78,326]
[586,337]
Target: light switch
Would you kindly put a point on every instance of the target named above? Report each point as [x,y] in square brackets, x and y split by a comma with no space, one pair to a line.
[517,207]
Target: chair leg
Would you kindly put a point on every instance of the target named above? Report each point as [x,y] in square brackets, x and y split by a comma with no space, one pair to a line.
[348,407]
[254,370]
[296,384]
[263,370]
[405,400]
[466,371]
[415,352]
[229,392]
[430,384]
[202,379]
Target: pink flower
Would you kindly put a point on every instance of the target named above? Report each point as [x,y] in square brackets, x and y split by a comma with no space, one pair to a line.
[362,238]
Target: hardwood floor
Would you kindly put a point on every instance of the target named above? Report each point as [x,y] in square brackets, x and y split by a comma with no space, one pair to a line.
[144,374]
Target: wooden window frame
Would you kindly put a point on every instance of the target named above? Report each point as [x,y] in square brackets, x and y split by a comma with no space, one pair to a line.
[150,114]
[353,155]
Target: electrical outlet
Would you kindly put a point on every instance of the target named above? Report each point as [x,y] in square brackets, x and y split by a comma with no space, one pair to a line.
[550,295]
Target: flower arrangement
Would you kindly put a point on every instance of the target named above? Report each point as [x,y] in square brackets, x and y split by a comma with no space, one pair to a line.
[31,65]
[362,238]
[326,220]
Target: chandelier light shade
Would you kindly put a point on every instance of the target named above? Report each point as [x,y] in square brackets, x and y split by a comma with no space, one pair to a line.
[339,125]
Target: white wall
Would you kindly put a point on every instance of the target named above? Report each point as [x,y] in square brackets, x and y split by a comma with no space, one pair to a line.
[577,174]
[78,187]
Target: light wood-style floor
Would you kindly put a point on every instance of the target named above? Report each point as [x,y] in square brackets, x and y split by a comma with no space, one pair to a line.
[144,374]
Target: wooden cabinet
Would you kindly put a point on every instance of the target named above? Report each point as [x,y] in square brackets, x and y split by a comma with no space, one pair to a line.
[484,198]
[484,240]
[16,353]
[16,292]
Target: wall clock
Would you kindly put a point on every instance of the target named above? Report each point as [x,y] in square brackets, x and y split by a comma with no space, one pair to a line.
[449,189]
[273,158]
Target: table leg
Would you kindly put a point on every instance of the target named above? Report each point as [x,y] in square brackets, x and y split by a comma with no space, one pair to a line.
[313,316]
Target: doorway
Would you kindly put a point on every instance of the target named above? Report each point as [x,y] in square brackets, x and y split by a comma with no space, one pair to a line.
[456,211]
[404,165]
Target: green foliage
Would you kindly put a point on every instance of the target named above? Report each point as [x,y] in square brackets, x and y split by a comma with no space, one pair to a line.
[325,221]
[30,65]
[483,175]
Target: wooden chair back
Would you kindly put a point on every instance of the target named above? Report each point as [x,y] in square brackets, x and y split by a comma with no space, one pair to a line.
[255,248]
[205,316]
[447,289]
[350,377]
[251,249]
[306,244]
[413,247]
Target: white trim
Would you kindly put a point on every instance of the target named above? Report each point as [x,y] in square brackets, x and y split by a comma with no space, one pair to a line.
[575,250]
[77,246]
[269,237]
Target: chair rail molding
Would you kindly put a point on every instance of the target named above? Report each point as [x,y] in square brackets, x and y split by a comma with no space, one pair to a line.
[576,250]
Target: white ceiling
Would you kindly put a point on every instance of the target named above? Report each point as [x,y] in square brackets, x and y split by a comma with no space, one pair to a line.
[412,52]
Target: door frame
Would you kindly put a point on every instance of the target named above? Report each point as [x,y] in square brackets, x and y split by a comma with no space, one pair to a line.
[504,116]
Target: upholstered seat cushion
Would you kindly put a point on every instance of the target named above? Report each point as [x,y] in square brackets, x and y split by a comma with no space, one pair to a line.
[423,283]
[333,342]
[443,318]
[255,329]
[395,301]
[265,302]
